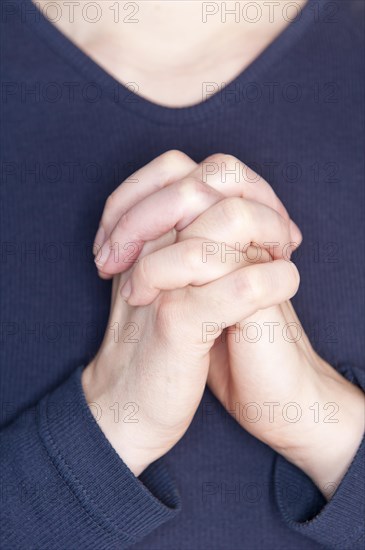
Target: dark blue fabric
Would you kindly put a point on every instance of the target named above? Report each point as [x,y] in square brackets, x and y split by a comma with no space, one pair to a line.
[70,135]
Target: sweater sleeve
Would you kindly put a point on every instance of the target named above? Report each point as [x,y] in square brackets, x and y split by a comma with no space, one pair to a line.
[340,523]
[64,486]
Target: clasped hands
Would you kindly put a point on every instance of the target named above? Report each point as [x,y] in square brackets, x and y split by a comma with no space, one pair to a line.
[197,252]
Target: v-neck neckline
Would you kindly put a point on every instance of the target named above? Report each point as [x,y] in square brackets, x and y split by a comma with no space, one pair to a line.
[126,98]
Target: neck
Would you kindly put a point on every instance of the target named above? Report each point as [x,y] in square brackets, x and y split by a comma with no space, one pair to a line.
[175,32]
[175,39]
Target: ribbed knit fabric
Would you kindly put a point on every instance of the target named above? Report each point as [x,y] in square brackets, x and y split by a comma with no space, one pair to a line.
[305,510]
[94,499]
[70,135]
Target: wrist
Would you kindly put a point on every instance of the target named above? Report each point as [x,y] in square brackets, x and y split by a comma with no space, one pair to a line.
[326,450]
[118,432]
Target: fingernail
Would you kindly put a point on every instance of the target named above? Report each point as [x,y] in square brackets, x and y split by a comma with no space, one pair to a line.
[295,233]
[126,290]
[99,240]
[103,254]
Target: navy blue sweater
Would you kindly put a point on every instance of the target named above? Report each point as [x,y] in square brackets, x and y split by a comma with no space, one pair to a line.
[71,134]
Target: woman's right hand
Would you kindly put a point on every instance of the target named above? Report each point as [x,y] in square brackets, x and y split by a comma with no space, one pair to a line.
[148,377]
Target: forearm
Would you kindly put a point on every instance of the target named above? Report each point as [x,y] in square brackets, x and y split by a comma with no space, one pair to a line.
[325,451]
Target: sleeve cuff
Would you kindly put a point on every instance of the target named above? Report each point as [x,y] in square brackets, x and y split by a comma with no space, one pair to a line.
[339,523]
[128,508]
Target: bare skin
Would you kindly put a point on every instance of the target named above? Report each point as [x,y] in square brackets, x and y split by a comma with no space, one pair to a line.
[170,52]
[167,49]
[189,296]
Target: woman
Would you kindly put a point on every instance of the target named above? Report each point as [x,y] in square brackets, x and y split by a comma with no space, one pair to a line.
[213,413]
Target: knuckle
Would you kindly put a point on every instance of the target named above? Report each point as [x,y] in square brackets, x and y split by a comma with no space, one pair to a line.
[242,284]
[280,228]
[222,158]
[278,205]
[261,284]
[253,285]
[111,201]
[234,212]
[142,272]
[192,189]
[189,185]
[229,160]
[284,225]
[173,157]
[221,163]
[192,256]
[167,314]
[251,176]
[123,221]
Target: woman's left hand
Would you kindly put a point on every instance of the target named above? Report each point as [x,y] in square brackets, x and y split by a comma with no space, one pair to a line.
[265,372]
